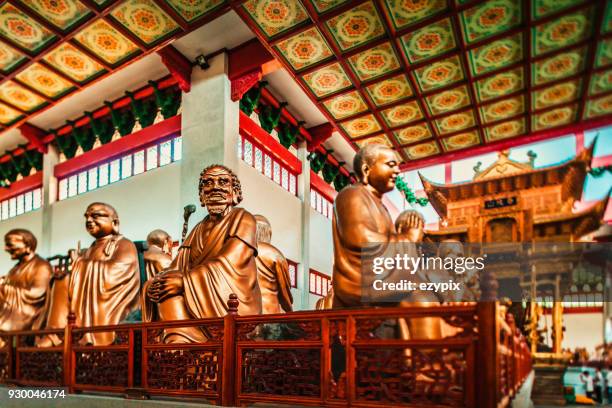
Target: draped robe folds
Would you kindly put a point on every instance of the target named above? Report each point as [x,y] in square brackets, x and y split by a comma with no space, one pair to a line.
[155,261]
[274,281]
[361,227]
[104,286]
[23,293]
[212,269]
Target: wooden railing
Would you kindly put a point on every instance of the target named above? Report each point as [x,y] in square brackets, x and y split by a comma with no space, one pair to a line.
[340,358]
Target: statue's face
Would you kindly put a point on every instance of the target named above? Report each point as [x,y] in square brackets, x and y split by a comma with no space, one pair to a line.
[16,246]
[99,221]
[383,172]
[217,193]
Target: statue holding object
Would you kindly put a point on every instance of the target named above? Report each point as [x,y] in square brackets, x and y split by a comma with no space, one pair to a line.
[216,259]
[23,290]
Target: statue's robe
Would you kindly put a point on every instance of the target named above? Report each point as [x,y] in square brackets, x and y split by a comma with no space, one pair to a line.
[23,293]
[213,267]
[55,314]
[104,286]
[361,227]
[326,302]
[155,261]
[274,280]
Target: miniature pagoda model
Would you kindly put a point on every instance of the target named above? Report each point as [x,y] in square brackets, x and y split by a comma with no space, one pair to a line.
[511,207]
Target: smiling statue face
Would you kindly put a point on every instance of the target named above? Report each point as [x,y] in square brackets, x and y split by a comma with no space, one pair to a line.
[16,246]
[382,171]
[217,192]
[100,220]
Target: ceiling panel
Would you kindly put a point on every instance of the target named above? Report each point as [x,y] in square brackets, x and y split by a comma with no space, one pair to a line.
[444,75]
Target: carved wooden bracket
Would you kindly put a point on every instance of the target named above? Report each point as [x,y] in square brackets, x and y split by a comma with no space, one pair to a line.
[245,82]
[178,65]
[35,136]
[319,135]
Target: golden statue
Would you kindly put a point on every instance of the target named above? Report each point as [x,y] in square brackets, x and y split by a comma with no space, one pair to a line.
[105,281]
[158,256]
[24,289]
[272,272]
[361,225]
[216,259]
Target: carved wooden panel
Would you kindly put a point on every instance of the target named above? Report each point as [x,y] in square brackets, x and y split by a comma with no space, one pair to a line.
[41,366]
[102,368]
[184,370]
[295,372]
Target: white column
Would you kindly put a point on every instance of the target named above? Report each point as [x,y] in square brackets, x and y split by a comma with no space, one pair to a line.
[209,128]
[49,197]
[304,195]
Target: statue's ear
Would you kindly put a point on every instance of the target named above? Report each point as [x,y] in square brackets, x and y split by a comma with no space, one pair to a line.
[365,170]
[116,226]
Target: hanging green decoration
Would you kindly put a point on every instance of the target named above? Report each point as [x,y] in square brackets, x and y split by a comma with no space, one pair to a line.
[341,181]
[8,174]
[20,164]
[250,99]
[145,110]
[409,193]
[287,134]
[269,116]
[83,136]
[65,144]
[600,171]
[102,128]
[168,101]
[33,157]
[317,161]
[330,172]
[123,120]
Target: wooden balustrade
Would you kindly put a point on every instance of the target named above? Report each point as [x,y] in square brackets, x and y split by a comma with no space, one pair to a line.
[339,358]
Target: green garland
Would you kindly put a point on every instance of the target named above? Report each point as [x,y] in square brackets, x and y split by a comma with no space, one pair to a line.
[409,193]
[600,171]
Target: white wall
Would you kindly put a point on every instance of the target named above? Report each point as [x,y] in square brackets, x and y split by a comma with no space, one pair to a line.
[321,248]
[583,330]
[31,221]
[144,202]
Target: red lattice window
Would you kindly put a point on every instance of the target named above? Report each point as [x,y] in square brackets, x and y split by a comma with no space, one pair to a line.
[320,284]
[292,273]
[252,154]
[320,203]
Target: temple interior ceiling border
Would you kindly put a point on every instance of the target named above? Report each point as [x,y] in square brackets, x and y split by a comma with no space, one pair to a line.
[427,78]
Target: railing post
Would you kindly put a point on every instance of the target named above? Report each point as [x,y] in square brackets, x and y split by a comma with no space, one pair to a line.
[68,368]
[228,370]
[488,356]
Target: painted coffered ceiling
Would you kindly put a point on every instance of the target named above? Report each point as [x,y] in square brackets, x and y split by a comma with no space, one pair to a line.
[439,76]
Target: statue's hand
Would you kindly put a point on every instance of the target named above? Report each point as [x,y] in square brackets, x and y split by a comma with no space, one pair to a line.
[166,285]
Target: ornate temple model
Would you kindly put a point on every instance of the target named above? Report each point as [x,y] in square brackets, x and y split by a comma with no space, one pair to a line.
[513,202]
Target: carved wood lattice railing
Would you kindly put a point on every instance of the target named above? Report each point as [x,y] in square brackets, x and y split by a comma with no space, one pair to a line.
[339,358]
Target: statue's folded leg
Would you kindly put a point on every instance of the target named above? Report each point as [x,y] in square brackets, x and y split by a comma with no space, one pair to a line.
[174,308]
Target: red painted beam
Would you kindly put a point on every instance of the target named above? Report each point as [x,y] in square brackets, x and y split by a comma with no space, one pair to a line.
[34,135]
[601,161]
[142,138]
[319,134]
[247,57]
[241,84]
[322,187]
[506,144]
[21,186]
[266,142]
[178,65]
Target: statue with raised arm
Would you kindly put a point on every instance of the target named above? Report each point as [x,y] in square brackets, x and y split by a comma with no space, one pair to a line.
[158,255]
[216,259]
[272,271]
[24,289]
[105,280]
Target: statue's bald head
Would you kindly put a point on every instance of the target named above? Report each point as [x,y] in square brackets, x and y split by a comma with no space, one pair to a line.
[264,229]
[158,238]
[377,165]
[26,236]
[101,219]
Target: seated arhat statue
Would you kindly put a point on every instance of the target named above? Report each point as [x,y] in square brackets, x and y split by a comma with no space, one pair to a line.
[158,255]
[216,259]
[272,271]
[104,281]
[24,289]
